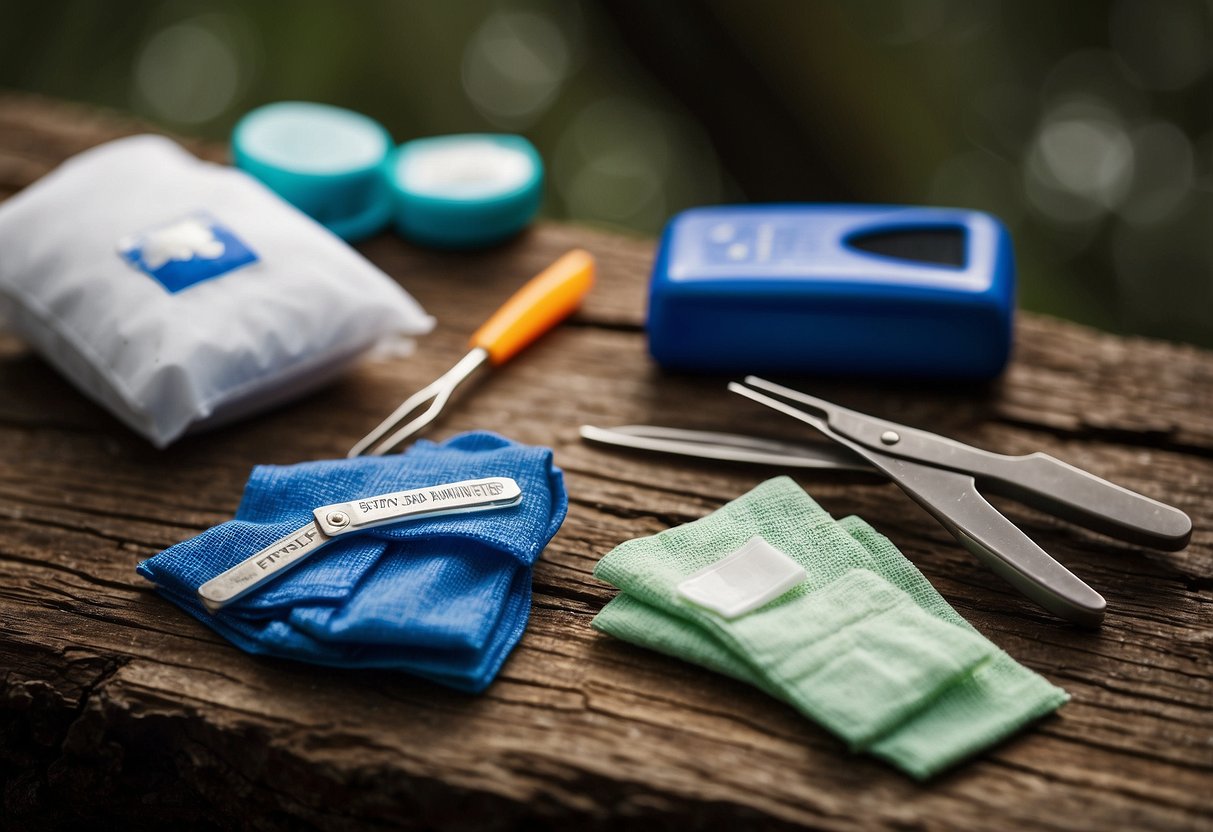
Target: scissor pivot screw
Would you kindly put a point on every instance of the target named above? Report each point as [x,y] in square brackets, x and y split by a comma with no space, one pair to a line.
[890,437]
[338,518]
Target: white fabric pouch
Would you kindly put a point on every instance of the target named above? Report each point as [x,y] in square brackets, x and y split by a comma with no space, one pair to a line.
[182,294]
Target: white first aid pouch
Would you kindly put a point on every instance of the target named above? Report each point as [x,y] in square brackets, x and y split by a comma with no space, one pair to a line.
[182,294]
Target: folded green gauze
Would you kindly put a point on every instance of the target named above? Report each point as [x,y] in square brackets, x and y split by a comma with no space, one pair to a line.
[856,638]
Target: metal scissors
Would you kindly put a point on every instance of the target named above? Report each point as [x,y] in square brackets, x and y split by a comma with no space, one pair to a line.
[947,479]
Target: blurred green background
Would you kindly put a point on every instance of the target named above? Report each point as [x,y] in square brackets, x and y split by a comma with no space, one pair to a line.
[1088,128]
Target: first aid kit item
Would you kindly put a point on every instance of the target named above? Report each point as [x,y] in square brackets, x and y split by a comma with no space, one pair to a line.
[433,579]
[326,161]
[948,479]
[333,521]
[465,191]
[891,291]
[544,301]
[828,617]
[182,294]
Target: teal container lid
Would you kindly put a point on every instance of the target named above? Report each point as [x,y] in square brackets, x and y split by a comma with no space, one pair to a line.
[326,161]
[465,191]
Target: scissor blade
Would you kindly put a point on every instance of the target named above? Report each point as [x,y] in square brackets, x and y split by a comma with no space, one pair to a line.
[821,407]
[1037,480]
[997,542]
[726,447]
[818,420]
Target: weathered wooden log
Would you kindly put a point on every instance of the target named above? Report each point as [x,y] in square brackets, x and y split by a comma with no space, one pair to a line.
[117,708]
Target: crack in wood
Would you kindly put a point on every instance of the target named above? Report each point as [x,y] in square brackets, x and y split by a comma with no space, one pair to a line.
[55,566]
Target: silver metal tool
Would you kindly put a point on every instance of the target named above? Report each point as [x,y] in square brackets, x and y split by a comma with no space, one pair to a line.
[438,390]
[333,521]
[727,447]
[547,299]
[944,477]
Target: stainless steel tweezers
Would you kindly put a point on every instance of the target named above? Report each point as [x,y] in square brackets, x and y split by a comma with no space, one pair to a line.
[946,478]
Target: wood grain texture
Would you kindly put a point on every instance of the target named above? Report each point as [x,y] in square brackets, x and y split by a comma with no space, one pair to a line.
[115,707]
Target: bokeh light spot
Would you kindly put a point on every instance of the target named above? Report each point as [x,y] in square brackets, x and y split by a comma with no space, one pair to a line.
[188,72]
[514,66]
[1080,164]
[612,165]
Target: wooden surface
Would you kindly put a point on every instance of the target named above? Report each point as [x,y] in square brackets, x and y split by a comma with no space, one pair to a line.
[114,705]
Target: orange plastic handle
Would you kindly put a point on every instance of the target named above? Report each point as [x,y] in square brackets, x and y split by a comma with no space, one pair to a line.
[547,299]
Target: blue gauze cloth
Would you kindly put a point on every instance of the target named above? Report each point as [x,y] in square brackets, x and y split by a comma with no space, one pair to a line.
[445,598]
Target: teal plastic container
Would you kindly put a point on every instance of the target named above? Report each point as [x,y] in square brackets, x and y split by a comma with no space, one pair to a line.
[326,161]
[465,191]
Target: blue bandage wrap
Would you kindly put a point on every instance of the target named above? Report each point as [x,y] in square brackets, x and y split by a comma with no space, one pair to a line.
[445,598]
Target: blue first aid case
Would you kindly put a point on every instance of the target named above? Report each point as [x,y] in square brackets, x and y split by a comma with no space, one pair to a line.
[877,290]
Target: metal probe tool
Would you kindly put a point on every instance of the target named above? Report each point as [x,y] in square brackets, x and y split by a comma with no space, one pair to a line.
[546,300]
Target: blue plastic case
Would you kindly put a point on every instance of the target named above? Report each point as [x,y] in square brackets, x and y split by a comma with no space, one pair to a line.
[835,289]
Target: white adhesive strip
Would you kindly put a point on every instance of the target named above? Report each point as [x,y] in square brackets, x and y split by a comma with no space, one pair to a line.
[743,580]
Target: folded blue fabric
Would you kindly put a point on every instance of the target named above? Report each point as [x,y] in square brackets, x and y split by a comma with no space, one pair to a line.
[446,598]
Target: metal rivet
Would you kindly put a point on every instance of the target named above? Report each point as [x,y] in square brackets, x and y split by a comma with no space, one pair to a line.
[338,518]
[890,437]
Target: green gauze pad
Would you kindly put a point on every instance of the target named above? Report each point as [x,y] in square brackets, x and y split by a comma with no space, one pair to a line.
[865,622]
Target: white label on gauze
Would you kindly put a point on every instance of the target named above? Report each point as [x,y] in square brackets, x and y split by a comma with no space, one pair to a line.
[743,580]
